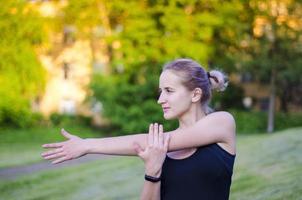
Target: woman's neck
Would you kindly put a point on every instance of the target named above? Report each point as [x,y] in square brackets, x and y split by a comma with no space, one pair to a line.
[191,117]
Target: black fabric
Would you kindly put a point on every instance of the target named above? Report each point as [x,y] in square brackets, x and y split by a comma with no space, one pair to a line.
[205,175]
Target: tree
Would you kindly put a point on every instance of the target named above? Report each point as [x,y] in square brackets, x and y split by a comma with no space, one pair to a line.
[21,75]
[272,48]
[146,36]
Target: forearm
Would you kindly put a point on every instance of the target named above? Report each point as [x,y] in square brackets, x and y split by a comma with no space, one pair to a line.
[151,191]
[121,145]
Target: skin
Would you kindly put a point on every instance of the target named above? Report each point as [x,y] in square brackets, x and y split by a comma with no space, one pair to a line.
[186,107]
[153,156]
[178,102]
[195,129]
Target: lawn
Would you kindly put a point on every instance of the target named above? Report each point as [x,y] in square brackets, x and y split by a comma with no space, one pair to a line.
[23,146]
[267,167]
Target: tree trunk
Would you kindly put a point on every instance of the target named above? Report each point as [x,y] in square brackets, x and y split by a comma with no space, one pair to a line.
[271,110]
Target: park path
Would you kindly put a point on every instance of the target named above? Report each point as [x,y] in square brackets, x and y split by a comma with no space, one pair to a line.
[11,173]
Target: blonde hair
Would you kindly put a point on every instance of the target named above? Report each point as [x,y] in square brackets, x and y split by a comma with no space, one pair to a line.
[195,76]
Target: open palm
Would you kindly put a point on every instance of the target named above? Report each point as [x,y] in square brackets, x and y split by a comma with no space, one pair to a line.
[72,148]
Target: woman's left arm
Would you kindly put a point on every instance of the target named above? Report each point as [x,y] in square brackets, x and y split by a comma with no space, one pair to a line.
[218,127]
[153,156]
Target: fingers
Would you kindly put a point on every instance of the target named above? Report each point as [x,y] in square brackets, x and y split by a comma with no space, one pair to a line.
[155,137]
[53,145]
[57,155]
[160,135]
[66,134]
[150,135]
[62,159]
[48,153]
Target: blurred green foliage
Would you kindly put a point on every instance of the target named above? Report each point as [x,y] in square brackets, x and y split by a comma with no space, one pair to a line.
[270,47]
[62,120]
[155,32]
[22,77]
[229,99]
[255,121]
[130,106]
[138,37]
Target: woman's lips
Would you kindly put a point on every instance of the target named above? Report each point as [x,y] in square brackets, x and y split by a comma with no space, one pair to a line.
[166,109]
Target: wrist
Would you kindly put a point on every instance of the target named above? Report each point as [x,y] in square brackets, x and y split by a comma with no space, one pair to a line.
[87,146]
[152,179]
[153,173]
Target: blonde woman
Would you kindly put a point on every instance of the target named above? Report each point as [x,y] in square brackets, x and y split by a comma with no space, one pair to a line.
[196,160]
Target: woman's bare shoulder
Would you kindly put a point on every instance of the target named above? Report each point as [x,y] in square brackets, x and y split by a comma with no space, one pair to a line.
[222,115]
[224,119]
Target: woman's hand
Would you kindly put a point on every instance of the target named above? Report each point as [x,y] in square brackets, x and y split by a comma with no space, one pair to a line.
[156,150]
[73,148]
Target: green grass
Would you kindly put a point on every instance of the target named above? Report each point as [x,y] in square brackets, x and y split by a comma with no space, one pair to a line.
[114,178]
[23,146]
[269,166]
[266,167]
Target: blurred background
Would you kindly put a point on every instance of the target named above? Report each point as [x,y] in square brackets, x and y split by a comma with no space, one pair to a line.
[92,67]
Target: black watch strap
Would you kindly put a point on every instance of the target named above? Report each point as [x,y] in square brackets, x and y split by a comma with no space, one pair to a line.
[152,179]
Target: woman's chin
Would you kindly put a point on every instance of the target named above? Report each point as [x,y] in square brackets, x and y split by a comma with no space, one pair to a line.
[168,117]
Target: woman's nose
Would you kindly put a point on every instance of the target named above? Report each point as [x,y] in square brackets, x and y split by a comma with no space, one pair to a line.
[160,99]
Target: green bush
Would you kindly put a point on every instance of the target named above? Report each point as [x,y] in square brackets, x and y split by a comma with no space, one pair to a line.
[255,122]
[14,112]
[287,120]
[130,106]
[231,98]
[62,120]
[22,77]
[249,122]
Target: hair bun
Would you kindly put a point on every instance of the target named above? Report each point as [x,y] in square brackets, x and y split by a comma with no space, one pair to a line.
[219,81]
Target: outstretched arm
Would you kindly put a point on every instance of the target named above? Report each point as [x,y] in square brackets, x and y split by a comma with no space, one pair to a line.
[75,146]
[218,127]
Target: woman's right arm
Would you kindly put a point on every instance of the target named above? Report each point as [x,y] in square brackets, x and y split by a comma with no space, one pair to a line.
[120,145]
[218,127]
[75,146]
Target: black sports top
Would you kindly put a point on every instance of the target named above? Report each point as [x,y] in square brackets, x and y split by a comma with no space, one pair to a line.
[205,175]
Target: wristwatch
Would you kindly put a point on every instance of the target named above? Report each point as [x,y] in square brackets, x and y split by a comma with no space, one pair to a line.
[152,179]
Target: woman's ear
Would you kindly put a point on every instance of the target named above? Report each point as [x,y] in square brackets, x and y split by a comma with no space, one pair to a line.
[197,94]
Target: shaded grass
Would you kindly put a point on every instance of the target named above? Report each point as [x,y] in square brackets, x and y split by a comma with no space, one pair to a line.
[268,166]
[112,178]
[23,146]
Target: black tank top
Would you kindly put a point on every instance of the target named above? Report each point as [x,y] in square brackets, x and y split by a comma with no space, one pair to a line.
[205,175]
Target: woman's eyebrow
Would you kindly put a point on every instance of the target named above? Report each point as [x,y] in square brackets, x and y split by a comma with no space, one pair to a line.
[159,89]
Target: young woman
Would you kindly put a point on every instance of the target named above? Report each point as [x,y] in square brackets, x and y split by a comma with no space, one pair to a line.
[201,152]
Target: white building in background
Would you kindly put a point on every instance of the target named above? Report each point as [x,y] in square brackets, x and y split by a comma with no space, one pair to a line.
[68,78]
[69,69]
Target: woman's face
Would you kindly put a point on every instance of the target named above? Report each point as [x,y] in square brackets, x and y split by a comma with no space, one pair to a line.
[174,98]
